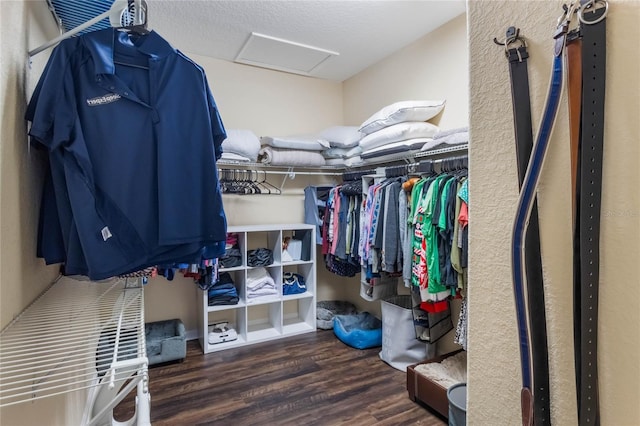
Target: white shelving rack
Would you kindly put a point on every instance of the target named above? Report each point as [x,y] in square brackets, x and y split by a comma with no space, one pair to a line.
[269,317]
[79,336]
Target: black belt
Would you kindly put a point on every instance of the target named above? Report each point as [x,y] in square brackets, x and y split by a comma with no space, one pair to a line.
[593,31]
[524,208]
[518,71]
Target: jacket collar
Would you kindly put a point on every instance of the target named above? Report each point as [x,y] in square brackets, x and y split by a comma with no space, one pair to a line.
[103,43]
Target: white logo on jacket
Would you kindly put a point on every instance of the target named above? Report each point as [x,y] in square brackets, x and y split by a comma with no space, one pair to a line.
[105,99]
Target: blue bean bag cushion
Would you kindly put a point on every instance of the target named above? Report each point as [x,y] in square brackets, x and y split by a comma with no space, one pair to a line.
[360,331]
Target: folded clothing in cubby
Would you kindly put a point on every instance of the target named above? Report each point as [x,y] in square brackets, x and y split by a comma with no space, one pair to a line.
[293,283]
[260,284]
[223,292]
[232,256]
[259,257]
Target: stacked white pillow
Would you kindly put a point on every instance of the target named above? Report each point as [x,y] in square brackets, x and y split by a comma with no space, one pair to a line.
[344,149]
[240,145]
[342,136]
[399,127]
[398,132]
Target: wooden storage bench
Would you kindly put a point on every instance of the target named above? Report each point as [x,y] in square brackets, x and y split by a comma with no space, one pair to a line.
[427,391]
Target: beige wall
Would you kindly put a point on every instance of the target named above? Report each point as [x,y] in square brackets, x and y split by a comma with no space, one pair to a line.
[23,26]
[271,103]
[433,67]
[494,372]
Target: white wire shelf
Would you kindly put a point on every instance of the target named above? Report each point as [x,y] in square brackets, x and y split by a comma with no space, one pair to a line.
[290,172]
[74,336]
[407,157]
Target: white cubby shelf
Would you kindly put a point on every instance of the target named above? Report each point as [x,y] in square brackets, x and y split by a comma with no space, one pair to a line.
[270,317]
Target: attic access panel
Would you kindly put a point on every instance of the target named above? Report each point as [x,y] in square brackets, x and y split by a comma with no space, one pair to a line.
[275,53]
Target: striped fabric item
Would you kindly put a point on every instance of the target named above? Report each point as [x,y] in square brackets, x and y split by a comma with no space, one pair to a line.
[73,13]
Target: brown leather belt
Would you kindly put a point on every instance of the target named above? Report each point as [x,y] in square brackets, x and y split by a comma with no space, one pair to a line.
[587,66]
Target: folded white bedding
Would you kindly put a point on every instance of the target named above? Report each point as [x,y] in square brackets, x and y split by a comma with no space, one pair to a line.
[303,142]
[262,293]
[265,285]
[399,112]
[389,157]
[341,152]
[396,148]
[290,157]
[342,136]
[345,162]
[338,162]
[398,132]
[257,277]
[260,283]
[242,142]
[230,156]
[449,139]
[446,132]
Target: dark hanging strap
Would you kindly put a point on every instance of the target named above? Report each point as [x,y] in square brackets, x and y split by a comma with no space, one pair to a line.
[574,89]
[593,27]
[523,213]
[518,71]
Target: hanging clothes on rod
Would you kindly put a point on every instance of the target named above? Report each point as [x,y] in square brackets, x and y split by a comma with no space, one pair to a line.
[340,229]
[384,215]
[130,183]
[437,227]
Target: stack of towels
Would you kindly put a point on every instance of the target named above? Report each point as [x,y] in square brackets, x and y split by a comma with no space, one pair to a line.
[260,284]
[304,150]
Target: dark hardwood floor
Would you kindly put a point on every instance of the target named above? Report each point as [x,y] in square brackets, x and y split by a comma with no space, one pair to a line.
[311,379]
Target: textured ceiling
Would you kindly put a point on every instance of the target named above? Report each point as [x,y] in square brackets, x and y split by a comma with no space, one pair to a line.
[362,32]
[356,33]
